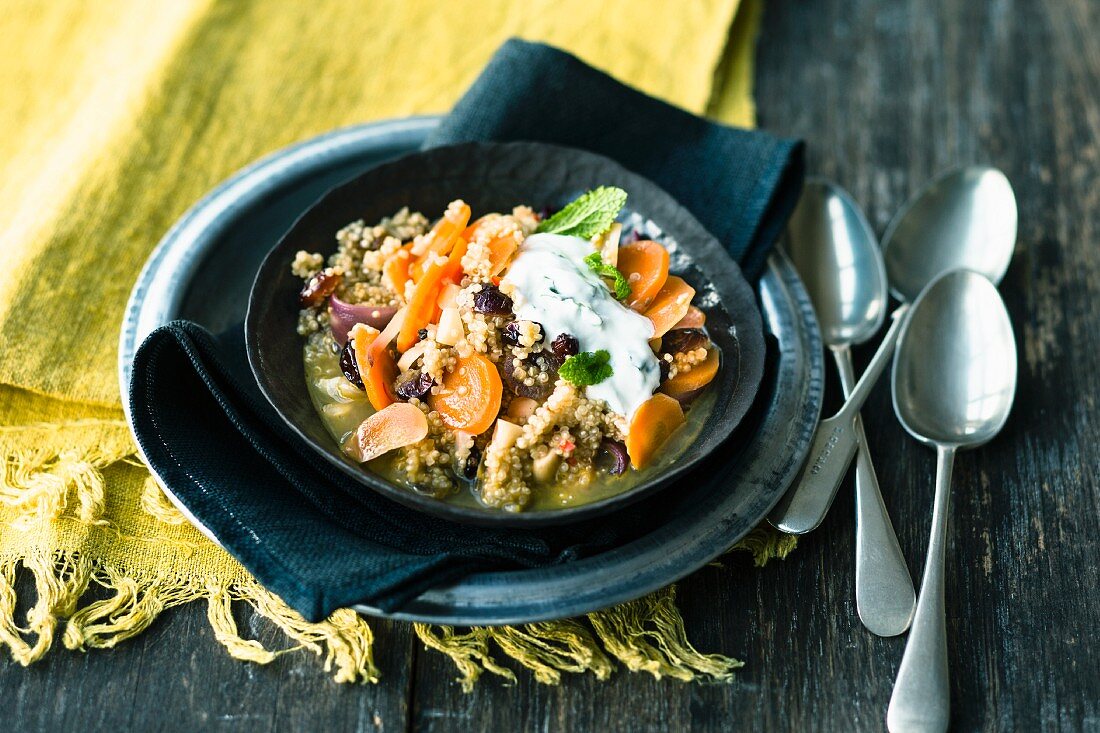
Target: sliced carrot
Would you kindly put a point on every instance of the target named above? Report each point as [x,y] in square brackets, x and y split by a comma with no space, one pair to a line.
[423,306]
[392,427]
[645,266]
[501,250]
[670,305]
[452,271]
[441,238]
[381,372]
[652,424]
[685,384]
[395,272]
[469,398]
[695,318]
[469,232]
[377,366]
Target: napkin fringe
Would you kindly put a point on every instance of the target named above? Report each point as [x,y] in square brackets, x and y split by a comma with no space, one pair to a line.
[61,579]
[644,635]
[47,466]
[51,471]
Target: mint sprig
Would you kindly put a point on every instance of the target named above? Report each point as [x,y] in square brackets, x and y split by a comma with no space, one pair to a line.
[586,368]
[621,286]
[587,216]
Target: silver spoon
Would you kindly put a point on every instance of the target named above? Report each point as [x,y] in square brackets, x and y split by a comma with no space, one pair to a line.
[964,218]
[836,255]
[954,381]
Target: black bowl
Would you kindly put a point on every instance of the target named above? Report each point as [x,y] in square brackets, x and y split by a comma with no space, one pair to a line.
[496,177]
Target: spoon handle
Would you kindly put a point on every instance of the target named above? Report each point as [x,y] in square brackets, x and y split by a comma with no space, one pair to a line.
[885,598]
[807,502]
[921,700]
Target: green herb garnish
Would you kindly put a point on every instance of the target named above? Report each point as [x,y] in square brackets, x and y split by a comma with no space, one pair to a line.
[587,216]
[597,265]
[586,368]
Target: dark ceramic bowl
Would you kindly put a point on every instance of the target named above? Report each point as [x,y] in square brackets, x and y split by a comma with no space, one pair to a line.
[496,177]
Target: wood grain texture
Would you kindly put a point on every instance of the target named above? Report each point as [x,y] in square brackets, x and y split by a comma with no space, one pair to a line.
[886,95]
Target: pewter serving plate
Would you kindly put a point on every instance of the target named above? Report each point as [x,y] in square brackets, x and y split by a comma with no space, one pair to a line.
[203,269]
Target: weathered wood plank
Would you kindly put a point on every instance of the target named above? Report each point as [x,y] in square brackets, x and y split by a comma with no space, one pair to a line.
[176,676]
[886,94]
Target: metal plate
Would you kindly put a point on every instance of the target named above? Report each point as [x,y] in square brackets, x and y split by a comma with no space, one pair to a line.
[202,271]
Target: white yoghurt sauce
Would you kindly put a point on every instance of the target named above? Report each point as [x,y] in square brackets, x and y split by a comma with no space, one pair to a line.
[557,289]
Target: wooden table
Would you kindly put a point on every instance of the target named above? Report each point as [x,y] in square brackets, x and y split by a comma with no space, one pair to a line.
[886,95]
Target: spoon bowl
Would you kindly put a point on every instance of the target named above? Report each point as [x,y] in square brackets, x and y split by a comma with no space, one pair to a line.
[836,255]
[955,374]
[964,219]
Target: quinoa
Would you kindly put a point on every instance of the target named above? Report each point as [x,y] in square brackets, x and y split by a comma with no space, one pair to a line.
[685,361]
[556,442]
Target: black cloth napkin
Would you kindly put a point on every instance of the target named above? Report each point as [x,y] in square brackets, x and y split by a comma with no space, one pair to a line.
[740,184]
[321,541]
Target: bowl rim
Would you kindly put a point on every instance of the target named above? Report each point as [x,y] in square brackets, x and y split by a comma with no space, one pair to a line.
[750,360]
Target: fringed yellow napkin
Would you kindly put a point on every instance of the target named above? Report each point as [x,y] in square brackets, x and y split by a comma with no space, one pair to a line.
[114,118]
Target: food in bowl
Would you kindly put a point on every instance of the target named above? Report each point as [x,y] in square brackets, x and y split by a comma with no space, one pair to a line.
[519,359]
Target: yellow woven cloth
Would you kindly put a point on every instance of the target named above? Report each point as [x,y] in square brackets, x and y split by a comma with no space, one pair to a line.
[116,116]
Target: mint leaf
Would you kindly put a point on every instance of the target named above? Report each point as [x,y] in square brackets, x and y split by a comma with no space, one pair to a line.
[586,368]
[597,265]
[588,215]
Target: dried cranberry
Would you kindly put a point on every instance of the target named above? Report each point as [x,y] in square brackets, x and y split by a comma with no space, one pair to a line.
[491,301]
[510,334]
[422,334]
[543,361]
[319,287]
[418,386]
[681,340]
[565,345]
[664,369]
[350,366]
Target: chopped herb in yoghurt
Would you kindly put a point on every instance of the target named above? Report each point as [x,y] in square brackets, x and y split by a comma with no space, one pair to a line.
[586,368]
[620,285]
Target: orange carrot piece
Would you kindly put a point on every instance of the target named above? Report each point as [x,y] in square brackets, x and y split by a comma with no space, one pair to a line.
[652,424]
[395,272]
[695,318]
[424,304]
[452,271]
[670,305]
[501,250]
[442,237]
[381,372]
[686,384]
[644,264]
[469,398]
[377,366]
[392,427]
[469,232]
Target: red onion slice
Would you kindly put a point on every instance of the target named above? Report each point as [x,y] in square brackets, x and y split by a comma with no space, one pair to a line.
[342,316]
[613,454]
